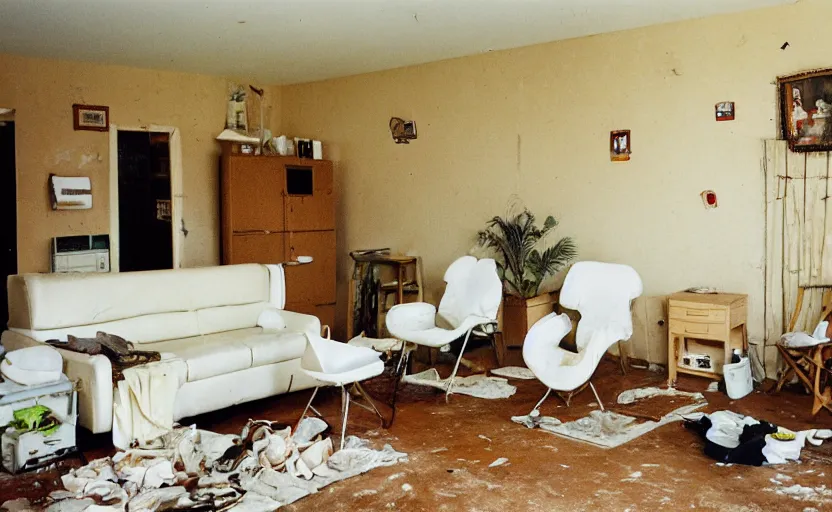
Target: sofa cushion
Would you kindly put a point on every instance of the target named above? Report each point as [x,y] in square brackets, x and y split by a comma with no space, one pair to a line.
[53,301]
[226,352]
[274,347]
[139,329]
[229,318]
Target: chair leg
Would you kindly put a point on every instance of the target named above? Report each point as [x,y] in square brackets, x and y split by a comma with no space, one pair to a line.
[539,403]
[372,405]
[345,409]
[308,406]
[600,403]
[456,366]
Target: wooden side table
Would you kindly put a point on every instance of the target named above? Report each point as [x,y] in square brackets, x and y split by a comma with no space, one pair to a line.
[716,317]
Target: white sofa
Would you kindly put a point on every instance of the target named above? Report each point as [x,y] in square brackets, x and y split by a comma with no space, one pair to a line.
[227,323]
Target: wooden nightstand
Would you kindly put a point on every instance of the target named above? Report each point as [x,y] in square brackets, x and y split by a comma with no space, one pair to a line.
[711,317]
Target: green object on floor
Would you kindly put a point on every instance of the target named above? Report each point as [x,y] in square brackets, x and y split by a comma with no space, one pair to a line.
[36,418]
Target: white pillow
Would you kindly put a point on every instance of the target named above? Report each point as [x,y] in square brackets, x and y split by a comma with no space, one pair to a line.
[33,366]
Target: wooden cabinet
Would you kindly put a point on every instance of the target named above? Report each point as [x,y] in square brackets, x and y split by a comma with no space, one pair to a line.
[716,323]
[275,209]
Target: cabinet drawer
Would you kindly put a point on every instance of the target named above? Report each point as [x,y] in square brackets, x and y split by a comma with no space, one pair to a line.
[699,330]
[707,315]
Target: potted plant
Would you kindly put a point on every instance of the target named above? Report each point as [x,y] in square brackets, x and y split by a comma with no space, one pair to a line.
[524,261]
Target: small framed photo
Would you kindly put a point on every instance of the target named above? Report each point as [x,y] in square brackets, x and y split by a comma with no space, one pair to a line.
[621,145]
[725,111]
[91,117]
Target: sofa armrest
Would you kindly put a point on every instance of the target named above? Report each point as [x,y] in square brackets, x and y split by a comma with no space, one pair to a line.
[93,376]
[273,318]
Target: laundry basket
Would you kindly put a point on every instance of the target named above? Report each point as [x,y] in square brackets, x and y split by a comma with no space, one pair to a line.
[738,382]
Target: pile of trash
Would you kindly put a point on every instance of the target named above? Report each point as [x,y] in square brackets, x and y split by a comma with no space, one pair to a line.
[265,467]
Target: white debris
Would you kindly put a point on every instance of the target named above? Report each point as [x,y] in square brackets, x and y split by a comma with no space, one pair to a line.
[782,477]
[514,372]
[632,477]
[713,387]
[439,450]
[407,487]
[272,467]
[498,462]
[650,465]
[395,476]
[633,395]
[365,492]
[484,437]
[478,386]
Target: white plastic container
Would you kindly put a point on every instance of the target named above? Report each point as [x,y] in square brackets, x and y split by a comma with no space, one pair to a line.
[738,382]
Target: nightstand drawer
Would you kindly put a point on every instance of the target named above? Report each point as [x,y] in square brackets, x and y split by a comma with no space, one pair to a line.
[699,314]
[699,329]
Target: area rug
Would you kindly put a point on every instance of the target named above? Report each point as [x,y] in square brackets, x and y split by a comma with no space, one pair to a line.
[265,467]
[478,386]
[608,429]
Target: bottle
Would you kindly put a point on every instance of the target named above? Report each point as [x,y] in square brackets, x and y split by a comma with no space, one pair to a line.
[736,357]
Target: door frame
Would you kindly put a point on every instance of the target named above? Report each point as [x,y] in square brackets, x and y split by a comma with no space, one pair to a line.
[177,197]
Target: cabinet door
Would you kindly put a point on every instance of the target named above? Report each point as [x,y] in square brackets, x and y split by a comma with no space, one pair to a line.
[313,283]
[315,211]
[258,248]
[256,194]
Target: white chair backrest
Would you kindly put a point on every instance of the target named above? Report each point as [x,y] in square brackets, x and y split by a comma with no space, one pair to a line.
[602,293]
[473,290]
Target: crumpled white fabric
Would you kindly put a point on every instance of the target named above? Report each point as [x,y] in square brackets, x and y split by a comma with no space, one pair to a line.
[802,339]
[478,386]
[144,401]
[726,428]
[778,451]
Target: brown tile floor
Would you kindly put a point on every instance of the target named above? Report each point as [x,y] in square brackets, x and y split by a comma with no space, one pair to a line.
[450,446]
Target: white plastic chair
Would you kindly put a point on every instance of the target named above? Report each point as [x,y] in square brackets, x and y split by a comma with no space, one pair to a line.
[337,364]
[602,293]
[472,298]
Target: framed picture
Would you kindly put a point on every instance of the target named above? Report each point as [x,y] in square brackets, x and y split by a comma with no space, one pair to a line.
[91,117]
[725,111]
[621,145]
[806,110]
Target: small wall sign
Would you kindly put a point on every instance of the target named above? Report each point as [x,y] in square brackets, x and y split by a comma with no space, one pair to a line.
[725,111]
[91,117]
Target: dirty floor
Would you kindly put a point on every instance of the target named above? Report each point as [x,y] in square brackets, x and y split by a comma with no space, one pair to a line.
[451,445]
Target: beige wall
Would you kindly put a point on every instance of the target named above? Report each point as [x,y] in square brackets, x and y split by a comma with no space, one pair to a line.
[43,91]
[535,122]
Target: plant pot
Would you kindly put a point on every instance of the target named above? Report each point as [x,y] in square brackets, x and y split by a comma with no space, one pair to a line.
[519,315]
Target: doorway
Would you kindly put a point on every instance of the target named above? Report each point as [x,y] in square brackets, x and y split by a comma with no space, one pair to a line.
[144,201]
[8,210]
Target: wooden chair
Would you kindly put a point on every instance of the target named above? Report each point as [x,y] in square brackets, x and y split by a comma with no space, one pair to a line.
[807,363]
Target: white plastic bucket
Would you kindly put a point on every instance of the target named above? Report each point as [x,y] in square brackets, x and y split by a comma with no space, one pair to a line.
[738,381]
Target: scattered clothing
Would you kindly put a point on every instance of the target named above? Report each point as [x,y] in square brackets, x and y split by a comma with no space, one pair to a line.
[732,438]
[119,351]
[632,395]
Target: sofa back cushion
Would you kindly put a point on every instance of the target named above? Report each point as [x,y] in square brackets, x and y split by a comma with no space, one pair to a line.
[56,302]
